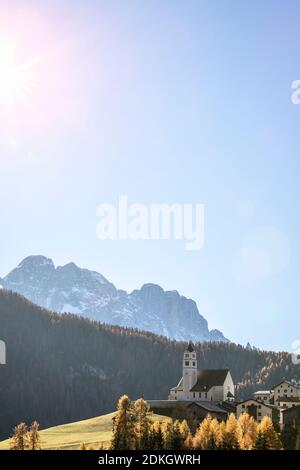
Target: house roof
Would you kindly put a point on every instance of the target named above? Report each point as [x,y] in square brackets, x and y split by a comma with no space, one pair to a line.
[263,392]
[288,383]
[229,395]
[292,410]
[208,378]
[256,401]
[163,403]
[209,406]
[229,406]
[289,399]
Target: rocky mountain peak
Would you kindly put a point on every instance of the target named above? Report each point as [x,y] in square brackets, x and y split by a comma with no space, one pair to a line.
[36,261]
[70,288]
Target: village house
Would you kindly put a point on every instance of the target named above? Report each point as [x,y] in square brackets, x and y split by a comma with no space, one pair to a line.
[283,399]
[286,389]
[256,408]
[265,396]
[286,394]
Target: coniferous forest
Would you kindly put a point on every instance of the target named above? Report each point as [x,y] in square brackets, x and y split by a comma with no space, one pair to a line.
[62,368]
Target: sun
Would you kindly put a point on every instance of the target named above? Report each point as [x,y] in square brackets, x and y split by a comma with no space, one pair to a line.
[14,78]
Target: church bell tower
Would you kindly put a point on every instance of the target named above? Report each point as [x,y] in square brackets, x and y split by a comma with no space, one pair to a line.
[189,370]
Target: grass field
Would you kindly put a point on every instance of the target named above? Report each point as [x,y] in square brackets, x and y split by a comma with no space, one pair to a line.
[94,431]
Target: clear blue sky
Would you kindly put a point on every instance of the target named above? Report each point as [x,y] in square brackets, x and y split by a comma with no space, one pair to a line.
[164,101]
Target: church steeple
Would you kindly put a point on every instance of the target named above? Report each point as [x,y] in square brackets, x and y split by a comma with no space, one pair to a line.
[189,369]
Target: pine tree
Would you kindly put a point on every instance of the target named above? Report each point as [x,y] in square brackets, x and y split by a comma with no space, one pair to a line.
[247,433]
[189,442]
[33,436]
[186,435]
[232,434]
[19,437]
[142,424]
[177,439]
[222,432]
[267,429]
[168,435]
[184,429]
[207,435]
[260,442]
[156,437]
[215,437]
[123,437]
[288,437]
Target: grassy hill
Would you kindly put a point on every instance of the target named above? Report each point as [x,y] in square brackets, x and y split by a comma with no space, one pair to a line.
[94,431]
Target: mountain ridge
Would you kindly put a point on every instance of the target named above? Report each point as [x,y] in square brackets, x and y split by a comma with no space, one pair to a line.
[70,288]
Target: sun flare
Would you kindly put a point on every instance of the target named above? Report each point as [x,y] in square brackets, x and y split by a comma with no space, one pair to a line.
[14,78]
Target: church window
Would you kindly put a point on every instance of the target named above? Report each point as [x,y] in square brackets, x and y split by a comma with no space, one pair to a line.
[205,394]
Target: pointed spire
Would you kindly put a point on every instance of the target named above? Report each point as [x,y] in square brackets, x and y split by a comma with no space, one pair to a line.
[190,347]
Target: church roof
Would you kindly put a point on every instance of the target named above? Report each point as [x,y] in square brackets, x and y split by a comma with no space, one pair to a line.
[208,378]
[179,386]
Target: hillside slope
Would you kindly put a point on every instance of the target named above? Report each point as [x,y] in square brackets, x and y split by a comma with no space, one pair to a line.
[95,431]
[63,368]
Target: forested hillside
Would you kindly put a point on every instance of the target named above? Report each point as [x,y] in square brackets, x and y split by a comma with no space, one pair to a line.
[62,368]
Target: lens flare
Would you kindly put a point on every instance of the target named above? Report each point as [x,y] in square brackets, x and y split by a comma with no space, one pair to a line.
[15,79]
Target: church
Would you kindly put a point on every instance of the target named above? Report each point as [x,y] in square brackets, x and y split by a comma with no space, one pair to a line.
[202,384]
[199,392]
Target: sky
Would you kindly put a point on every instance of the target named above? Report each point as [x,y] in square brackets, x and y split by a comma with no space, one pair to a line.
[164,102]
